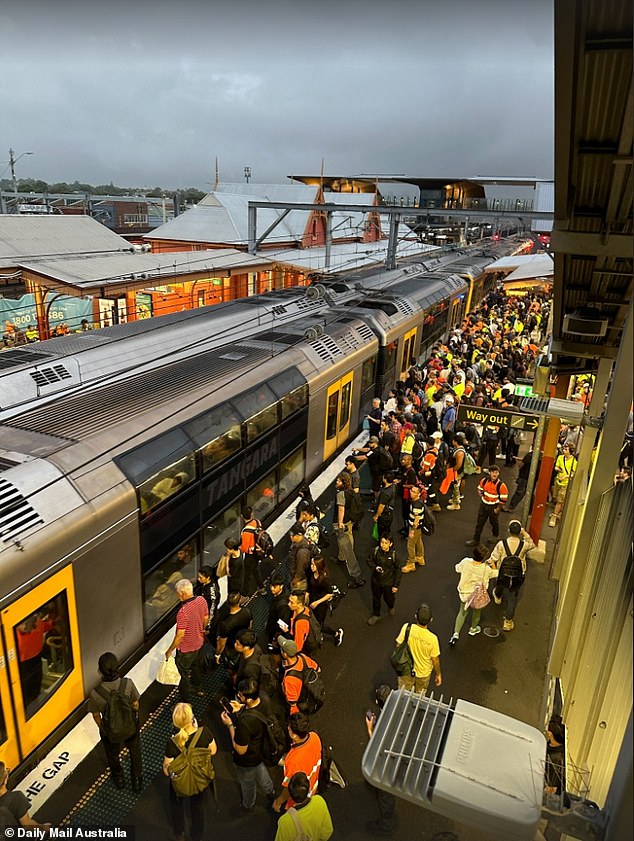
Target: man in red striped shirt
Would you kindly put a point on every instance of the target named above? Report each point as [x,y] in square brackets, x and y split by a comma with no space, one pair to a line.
[191,624]
[304,755]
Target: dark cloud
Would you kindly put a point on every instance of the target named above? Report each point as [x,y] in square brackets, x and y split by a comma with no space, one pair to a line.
[151,93]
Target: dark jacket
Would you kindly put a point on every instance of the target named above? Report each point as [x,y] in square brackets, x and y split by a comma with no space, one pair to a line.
[391,575]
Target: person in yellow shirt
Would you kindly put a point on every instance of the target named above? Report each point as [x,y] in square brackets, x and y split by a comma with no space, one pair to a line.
[565,467]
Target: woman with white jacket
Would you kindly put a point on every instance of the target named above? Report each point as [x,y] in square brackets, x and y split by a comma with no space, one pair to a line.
[473,572]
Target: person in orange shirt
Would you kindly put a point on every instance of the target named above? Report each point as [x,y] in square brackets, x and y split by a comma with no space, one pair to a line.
[493,495]
[293,662]
[30,636]
[304,755]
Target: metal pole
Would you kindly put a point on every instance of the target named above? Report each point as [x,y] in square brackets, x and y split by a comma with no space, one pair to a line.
[251,222]
[13,178]
[532,474]
[328,238]
[390,260]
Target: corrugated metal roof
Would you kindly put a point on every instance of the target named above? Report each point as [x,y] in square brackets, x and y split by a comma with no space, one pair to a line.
[222,216]
[22,237]
[112,268]
[524,266]
[350,255]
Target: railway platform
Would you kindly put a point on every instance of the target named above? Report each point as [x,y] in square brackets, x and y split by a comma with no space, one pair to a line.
[503,671]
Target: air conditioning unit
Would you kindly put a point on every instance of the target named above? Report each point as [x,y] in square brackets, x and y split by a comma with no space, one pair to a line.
[590,324]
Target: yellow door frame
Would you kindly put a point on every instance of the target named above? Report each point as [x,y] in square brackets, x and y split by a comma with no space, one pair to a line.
[70,692]
[408,342]
[9,751]
[341,431]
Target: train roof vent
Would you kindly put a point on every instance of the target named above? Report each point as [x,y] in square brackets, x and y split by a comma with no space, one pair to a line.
[54,374]
[17,356]
[233,355]
[280,309]
[404,304]
[6,463]
[309,303]
[16,514]
[365,331]
[326,348]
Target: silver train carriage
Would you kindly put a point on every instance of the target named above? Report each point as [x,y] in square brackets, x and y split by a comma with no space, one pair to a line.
[111,493]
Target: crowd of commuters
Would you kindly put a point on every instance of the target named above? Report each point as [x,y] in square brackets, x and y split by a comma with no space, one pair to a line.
[419,454]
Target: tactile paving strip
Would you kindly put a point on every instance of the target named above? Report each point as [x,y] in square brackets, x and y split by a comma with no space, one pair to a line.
[103,804]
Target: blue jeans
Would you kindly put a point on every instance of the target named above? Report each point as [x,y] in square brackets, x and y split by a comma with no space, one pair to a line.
[509,598]
[249,778]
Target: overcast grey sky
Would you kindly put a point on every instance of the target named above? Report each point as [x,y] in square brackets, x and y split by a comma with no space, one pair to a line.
[147,93]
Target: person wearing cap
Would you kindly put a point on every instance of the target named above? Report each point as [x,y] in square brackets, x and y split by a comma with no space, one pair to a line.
[428,470]
[493,495]
[425,650]
[308,818]
[298,556]
[292,661]
[518,544]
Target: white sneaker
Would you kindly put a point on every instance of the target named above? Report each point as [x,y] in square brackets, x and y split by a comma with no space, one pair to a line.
[453,507]
[473,632]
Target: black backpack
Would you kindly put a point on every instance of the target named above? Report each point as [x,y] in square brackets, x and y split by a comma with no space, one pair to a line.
[511,574]
[313,692]
[263,545]
[429,521]
[118,720]
[274,740]
[386,462]
[354,507]
[313,640]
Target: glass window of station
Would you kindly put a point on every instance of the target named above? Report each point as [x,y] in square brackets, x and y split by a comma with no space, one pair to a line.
[193,481]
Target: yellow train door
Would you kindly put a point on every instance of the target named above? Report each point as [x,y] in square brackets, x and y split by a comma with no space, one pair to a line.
[41,639]
[338,412]
[409,357]
[9,753]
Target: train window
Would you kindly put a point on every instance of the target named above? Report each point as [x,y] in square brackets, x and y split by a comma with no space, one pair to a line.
[368,374]
[166,483]
[149,459]
[261,497]
[294,401]
[158,586]
[258,407]
[218,434]
[331,416]
[44,652]
[346,400]
[286,382]
[291,473]
[217,531]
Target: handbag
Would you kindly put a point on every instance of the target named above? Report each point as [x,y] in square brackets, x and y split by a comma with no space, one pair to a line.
[222,569]
[167,673]
[401,658]
[480,596]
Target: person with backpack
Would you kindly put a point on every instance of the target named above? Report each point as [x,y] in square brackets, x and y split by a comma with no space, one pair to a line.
[428,473]
[251,528]
[425,651]
[304,754]
[247,727]
[232,618]
[509,558]
[475,574]
[188,765]
[493,495]
[343,528]
[378,458]
[386,577]
[304,629]
[14,810]
[309,818]
[384,514]
[457,460]
[419,517]
[302,686]
[299,554]
[320,596]
[249,657]
[114,705]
